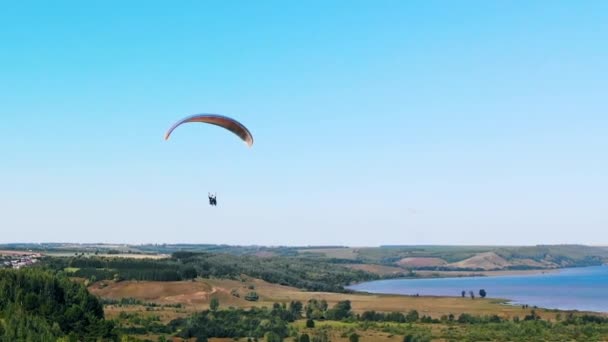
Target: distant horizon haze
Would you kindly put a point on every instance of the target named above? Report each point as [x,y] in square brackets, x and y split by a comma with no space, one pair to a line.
[328,246]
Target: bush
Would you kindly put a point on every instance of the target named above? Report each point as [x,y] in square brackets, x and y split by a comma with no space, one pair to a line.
[252,296]
[273,337]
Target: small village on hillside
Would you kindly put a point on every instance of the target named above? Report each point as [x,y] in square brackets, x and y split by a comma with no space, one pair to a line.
[17,260]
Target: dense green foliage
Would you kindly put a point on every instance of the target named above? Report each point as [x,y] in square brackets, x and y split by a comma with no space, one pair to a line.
[299,272]
[293,271]
[36,305]
[239,323]
[127,301]
[134,323]
[274,325]
[123,268]
[397,317]
[501,331]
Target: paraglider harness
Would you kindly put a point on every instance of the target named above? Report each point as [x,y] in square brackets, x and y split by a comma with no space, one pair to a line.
[212,199]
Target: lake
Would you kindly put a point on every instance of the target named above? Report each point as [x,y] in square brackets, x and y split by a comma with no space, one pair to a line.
[584,288]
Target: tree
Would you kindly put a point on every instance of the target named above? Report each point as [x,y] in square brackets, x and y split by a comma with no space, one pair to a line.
[273,337]
[472,294]
[412,316]
[214,304]
[321,336]
[310,323]
[533,316]
[340,311]
[304,338]
[353,337]
[482,293]
[464,293]
[295,307]
[188,273]
[316,309]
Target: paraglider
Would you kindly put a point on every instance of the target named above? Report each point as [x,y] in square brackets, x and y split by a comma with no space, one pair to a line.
[219,120]
[212,199]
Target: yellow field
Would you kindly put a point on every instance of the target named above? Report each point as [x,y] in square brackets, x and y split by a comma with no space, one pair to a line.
[377,269]
[16,253]
[187,293]
[195,296]
[339,253]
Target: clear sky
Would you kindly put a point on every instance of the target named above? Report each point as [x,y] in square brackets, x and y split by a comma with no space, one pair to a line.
[375,122]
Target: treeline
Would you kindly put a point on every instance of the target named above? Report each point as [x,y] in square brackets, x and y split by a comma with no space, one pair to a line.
[223,249]
[136,324]
[37,305]
[304,273]
[239,323]
[101,268]
[127,301]
[397,317]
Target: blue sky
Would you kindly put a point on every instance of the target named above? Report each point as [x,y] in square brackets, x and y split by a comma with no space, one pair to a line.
[375,122]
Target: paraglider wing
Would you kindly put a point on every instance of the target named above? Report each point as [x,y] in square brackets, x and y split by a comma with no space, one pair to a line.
[219,120]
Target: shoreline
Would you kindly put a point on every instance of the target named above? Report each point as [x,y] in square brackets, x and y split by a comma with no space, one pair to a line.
[424,274]
[485,277]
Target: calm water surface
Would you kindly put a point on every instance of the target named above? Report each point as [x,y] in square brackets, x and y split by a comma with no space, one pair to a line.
[583,288]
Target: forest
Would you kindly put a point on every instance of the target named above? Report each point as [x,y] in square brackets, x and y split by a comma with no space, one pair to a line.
[37,305]
[300,272]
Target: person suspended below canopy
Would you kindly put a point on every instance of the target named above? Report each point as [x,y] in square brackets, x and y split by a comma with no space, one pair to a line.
[212,199]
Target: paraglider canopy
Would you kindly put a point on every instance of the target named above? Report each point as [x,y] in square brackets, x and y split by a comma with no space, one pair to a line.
[219,120]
